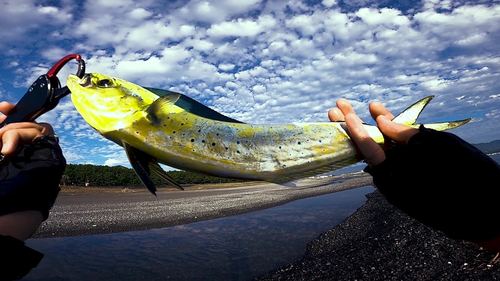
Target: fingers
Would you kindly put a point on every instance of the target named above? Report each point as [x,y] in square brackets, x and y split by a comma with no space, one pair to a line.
[47,128]
[5,108]
[345,106]
[10,141]
[335,115]
[372,152]
[43,128]
[398,132]
[16,134]
[13,138]
[377,109]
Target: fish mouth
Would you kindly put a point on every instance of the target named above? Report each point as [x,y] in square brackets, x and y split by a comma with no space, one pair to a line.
[86,81]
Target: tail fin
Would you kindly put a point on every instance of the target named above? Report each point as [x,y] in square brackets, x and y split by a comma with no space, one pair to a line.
[409,117]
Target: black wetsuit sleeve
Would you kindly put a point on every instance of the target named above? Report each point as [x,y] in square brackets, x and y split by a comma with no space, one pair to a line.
[444,182]
[30,180]
[16,259]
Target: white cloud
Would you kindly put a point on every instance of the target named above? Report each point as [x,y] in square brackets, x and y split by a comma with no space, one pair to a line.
[329,3]
[264,61]
[307,24]
[226,66]
[139,14]
[202,10]
[198,44]
[118,158]
[385,16]
[215,11]
[259,89]
[241,27]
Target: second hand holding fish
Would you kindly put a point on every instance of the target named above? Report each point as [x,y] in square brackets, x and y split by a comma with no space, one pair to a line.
[453,185]
[372,151]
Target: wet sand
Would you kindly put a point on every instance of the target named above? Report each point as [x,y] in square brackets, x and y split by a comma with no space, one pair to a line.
[88,213]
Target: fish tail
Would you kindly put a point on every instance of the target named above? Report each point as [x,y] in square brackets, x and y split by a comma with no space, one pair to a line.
[409,117]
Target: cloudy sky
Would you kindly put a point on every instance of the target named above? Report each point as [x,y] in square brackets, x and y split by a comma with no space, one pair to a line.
[264,61]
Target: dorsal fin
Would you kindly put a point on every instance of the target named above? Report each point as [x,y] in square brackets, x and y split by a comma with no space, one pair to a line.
[409,115]
[188,104]
[159,92]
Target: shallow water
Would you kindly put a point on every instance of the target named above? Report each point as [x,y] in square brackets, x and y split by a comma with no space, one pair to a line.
[232,248]
[496,157]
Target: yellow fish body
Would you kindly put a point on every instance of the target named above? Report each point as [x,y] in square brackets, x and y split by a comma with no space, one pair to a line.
[182,133]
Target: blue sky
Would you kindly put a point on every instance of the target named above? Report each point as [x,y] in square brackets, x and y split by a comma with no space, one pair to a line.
[264,61]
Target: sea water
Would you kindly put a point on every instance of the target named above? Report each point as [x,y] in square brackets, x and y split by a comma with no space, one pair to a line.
[233,248]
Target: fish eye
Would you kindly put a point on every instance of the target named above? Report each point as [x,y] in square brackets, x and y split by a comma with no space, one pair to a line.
[105,83]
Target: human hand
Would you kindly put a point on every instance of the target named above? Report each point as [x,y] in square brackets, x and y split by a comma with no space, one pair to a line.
[430,177]
[372,152]
[31,154]
[16,134]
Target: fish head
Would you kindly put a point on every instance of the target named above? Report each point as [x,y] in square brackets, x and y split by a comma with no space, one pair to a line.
[108,103]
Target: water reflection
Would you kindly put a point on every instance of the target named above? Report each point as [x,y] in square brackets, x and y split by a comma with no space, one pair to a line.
[496,157]
[233,248]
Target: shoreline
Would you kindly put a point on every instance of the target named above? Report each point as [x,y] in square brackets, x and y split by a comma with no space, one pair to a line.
[76,189]
[92,213]
[379,242]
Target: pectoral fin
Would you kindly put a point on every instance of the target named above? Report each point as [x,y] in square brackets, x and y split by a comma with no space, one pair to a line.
[155,168]
[143,164]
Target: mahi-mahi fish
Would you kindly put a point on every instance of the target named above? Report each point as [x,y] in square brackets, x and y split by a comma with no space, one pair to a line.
[158,126]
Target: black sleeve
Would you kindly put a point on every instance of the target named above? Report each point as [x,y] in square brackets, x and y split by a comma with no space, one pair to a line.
[30,181]
[444,182]
[16,259]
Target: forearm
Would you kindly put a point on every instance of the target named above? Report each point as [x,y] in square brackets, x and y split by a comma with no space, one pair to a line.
[431,179]
[30,181]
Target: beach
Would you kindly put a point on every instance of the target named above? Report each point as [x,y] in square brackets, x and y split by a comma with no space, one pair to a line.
[377,242]
[103,211]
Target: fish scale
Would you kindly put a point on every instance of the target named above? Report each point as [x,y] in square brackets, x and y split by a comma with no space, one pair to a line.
[238,150]
[182,133]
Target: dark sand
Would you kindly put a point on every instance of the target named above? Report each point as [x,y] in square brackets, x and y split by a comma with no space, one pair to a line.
[379,242]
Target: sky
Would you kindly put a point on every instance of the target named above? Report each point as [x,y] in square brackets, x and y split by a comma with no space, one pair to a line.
[263,62]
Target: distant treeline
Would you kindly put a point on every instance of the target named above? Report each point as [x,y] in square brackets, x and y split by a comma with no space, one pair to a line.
[490,147]
[92,175]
